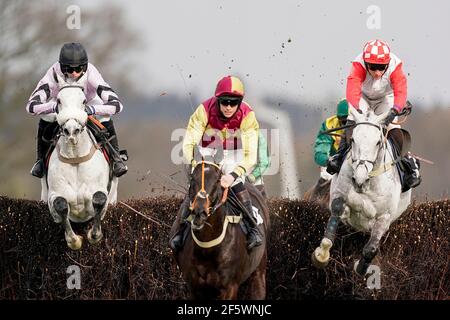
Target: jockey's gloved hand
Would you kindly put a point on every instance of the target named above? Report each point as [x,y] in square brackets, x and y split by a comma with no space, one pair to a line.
[89,110]
[227,180]
[390,117]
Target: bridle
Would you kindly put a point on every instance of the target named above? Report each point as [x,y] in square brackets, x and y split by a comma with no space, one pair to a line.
[202,194]
[364,161]
[383,140]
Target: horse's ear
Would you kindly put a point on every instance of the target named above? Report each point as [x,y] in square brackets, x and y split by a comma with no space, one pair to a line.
[359,117]
[60,80]
[82,81]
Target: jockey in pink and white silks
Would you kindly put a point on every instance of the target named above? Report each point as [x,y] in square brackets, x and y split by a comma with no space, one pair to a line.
[101,101]
[376,82]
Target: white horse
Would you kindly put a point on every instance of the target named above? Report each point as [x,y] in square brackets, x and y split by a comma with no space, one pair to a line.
[78,177]
[367,193]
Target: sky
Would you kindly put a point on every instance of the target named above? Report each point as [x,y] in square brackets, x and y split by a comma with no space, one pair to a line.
[297,50]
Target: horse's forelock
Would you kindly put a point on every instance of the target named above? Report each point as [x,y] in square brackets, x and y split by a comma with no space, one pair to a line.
[71,113]
[71,94]
[372,117]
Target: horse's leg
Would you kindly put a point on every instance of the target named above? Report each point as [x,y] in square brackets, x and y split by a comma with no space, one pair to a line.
[55,215]
[371,248]
[61,206]
[258,282]
[99,200]
[321,255]
[230,293]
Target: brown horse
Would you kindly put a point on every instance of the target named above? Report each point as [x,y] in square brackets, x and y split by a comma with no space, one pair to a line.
[320,192]
[214,260]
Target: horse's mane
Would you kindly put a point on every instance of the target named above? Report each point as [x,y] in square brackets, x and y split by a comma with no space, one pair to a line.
[71,113]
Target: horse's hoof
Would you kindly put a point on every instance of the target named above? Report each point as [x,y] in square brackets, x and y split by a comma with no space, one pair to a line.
[77,244]
[321,256]
[358,269]
[317,261]
[92,239]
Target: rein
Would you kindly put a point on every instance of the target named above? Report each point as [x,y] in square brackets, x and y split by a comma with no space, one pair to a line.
[72,86]
[204,195]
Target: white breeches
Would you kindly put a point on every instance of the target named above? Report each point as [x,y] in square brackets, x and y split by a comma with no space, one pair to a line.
[378,106]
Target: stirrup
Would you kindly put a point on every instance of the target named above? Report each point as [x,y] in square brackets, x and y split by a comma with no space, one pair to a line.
[253,238]
[38,169]
[333,164]
[413,181]
[118,172]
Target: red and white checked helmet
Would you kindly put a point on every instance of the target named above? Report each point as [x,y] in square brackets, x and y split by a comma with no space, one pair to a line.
[377,51]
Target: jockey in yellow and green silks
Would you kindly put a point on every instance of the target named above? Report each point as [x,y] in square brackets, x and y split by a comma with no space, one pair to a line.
[225,121]
[255,177]
[327,145]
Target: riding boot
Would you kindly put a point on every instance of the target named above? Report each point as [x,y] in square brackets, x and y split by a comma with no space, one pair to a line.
[412,177]
[38,169]
[177,241]
[119,167]
[335,162]
[254,237]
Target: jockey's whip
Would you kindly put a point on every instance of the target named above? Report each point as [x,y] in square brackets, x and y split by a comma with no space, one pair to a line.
[422,159]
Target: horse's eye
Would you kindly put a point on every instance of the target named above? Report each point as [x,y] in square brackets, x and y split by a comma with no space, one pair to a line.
[58,101]
[66,131]
[351,140]
[77,131]
[84,101]
[378,143]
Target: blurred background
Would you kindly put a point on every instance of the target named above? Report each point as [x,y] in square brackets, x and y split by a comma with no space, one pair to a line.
[163,58]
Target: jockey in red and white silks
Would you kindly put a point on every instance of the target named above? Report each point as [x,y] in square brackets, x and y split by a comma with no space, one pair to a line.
[377,81]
